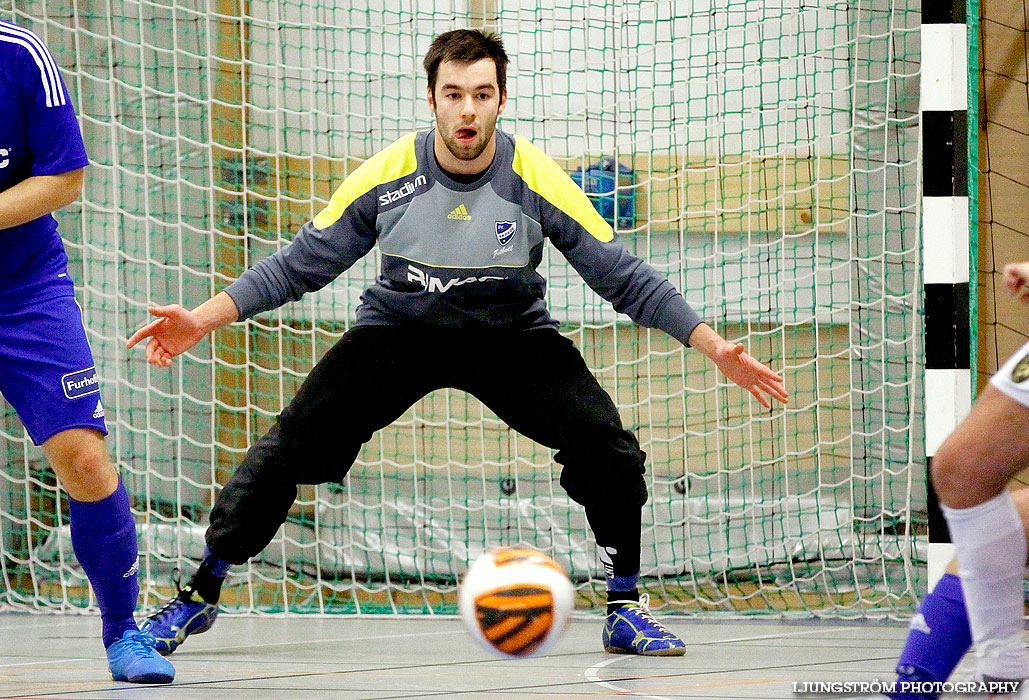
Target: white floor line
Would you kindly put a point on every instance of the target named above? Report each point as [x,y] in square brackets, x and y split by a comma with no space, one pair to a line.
[41,663]
[591,676]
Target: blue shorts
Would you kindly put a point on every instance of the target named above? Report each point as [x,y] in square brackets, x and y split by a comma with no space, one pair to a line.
[46,368]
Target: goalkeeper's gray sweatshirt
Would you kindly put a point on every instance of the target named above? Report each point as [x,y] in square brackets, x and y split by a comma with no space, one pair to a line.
[462,254]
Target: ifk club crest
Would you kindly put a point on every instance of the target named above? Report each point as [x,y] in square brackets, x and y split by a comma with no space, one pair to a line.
[506,231]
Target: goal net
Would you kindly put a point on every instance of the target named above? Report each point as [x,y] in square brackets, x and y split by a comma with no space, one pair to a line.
[763,155]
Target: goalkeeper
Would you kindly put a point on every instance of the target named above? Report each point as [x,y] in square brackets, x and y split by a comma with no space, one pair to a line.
[460,214]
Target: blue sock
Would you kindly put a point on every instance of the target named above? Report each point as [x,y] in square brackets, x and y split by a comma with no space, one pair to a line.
[939,634]
[617,584]
[103,535]
[208,579]
[218,566]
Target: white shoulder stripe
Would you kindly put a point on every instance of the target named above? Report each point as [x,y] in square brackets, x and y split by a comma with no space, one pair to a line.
[47,84]
[40,53]
[48,71]
[48,59]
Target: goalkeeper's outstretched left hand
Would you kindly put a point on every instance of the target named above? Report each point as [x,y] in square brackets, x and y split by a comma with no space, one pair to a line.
[750,374]
[738,366]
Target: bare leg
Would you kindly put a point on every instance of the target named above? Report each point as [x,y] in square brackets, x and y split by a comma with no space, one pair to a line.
[971,472]
[79,458]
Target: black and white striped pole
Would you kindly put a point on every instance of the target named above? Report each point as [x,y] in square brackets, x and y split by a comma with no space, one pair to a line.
[945,242]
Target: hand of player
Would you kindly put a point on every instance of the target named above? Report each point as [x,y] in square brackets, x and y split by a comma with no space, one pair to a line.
[1016,279]
[750,374]
[174,332]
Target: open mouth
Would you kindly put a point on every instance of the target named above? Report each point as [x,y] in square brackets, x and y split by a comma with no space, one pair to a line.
[466,134]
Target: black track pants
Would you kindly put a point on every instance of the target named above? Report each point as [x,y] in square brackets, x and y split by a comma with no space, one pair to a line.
[534,380]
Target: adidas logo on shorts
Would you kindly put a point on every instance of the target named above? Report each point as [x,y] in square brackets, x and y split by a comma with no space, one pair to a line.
[99,411]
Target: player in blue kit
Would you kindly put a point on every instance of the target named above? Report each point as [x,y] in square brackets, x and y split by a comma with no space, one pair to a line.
[461,215]
[46,366]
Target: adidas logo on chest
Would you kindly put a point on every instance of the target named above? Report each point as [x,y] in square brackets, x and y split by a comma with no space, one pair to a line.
[460,213]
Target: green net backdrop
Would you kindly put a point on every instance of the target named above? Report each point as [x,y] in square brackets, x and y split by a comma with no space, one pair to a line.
[771,156]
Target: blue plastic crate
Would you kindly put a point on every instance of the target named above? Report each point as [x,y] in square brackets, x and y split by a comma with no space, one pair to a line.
[599,186]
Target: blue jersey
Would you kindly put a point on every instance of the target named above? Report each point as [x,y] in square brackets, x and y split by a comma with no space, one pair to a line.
[38,136]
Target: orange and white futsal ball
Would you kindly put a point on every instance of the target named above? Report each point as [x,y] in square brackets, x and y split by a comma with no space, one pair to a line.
[515,602]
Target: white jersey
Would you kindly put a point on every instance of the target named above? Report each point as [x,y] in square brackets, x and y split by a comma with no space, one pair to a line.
[1013,377]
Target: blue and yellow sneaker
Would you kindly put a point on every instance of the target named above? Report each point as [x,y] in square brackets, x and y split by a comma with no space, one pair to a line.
[631,629]
[185,614]
[133,658]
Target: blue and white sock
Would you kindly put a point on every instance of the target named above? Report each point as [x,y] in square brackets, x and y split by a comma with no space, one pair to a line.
[621,589]
[103,535]
[939,635]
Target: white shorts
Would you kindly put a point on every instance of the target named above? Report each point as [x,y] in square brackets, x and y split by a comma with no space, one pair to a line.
[1013,377]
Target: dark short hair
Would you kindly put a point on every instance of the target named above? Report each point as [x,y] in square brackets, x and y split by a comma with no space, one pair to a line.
[466,46]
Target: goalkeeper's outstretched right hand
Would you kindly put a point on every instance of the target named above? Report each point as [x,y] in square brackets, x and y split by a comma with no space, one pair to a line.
[177,329]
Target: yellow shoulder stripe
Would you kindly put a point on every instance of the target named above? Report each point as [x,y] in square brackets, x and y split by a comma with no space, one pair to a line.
[393,162]
[548,180]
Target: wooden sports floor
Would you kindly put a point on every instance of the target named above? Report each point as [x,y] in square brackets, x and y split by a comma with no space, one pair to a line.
[387,658]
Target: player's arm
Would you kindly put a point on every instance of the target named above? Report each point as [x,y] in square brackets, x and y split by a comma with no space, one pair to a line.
[38,196]
[573,225]
[633,287]
[313,259]
[638,290]
[341,234]
[52,137]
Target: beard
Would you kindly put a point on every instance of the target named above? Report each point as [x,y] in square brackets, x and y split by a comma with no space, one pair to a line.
[469,151]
